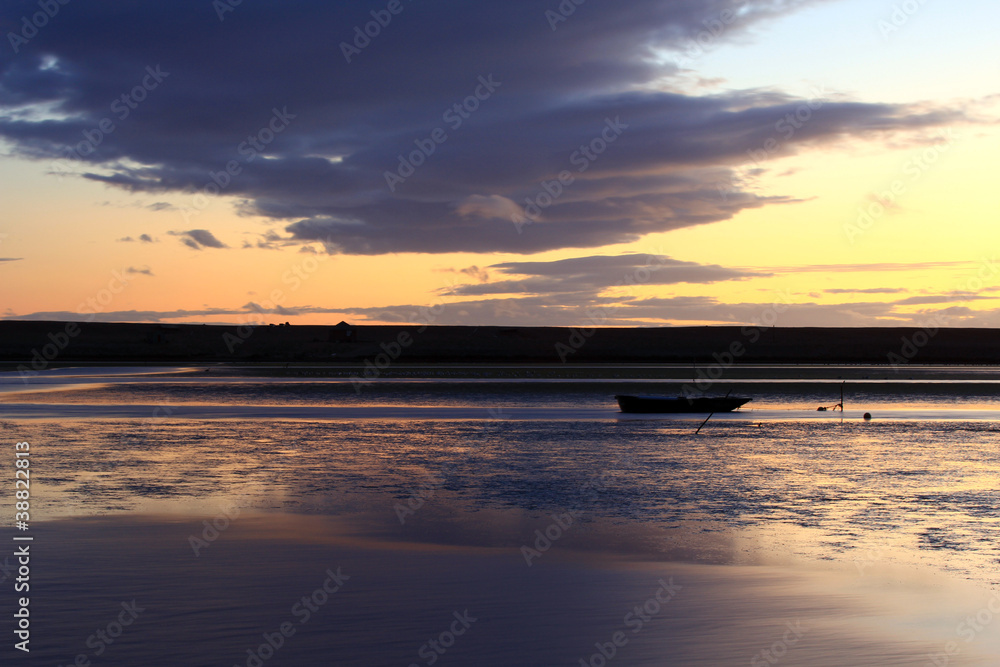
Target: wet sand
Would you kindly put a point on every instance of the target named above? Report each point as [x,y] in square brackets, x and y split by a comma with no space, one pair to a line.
[462,582]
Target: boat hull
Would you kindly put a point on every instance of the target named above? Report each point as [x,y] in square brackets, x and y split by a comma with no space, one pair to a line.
[676,404]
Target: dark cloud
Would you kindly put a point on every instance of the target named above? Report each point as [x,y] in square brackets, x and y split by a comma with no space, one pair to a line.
[328,130]
[599,272]
[11,259]
[481,275]
[198,239]
[139,270]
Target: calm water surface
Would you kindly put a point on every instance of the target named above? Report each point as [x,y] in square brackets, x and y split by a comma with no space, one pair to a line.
[918,486]
[878,538]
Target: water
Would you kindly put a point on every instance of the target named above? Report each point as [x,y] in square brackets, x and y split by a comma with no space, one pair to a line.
[917,484]
[483,462]
[821,489]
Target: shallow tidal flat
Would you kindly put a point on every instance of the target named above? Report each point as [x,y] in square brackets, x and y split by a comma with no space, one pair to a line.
[209,516]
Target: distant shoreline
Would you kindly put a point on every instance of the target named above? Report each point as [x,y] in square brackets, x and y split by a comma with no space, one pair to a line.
[41,345]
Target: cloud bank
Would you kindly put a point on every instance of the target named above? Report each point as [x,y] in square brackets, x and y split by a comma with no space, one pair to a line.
[451,126]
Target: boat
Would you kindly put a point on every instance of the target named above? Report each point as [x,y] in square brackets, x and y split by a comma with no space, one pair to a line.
[655,404]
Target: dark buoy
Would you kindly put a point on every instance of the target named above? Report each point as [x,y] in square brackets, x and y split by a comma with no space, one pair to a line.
[867,416]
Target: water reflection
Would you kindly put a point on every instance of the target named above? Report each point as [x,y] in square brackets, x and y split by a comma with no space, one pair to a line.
[821,489]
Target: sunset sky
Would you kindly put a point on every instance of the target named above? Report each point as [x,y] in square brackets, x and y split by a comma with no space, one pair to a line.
[637,162]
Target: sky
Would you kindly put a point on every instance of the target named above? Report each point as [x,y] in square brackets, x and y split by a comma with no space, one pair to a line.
[524,163]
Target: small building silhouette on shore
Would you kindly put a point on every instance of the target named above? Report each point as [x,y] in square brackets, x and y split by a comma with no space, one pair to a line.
[342,333]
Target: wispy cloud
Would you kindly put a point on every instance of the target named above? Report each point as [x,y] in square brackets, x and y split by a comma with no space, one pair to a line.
[236,315]
[573,310]
[270,240]
[872,266]
[597,273]
[197,239]
[870,290]
[143,238]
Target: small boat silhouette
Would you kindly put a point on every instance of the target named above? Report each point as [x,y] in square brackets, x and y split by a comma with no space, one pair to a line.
[655,404]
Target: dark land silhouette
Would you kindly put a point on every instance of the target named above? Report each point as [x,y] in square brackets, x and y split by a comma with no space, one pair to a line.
[52,344]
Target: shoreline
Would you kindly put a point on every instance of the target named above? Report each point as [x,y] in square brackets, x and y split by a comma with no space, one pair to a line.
[160,371]
[38,344]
